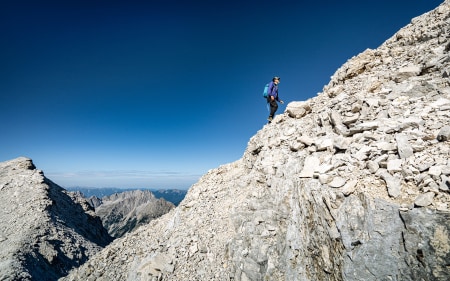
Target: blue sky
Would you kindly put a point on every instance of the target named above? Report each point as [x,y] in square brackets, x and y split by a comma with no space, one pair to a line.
[155,93]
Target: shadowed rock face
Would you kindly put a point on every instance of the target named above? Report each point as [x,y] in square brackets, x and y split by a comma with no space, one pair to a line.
[349,185]
[123,212]
[44,230]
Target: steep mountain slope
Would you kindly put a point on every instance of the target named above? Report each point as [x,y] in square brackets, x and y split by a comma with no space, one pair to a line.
[350,185]
[125,211]
[44,230]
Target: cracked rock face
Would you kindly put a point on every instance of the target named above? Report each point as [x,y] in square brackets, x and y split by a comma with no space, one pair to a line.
[44,230]
[350,185]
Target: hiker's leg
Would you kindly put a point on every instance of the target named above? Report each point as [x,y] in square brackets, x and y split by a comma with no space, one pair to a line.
[273,108]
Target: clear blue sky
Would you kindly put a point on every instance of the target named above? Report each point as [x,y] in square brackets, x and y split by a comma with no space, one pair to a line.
[155,93]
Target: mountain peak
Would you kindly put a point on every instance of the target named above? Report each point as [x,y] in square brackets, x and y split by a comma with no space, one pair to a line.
[45,231]
[18,164]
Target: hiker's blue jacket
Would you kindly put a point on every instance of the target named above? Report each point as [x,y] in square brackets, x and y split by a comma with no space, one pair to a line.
[273,91]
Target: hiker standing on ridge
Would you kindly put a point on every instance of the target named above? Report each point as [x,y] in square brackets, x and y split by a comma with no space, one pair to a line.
[272,97]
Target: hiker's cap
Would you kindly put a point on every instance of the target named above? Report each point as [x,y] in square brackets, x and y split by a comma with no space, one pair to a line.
[276,77]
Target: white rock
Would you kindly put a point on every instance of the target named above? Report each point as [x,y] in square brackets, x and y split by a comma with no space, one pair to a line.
[337,182]
[306,140]
[425,199]
[435,171]
[394,165]
[349,187]
[310,166]
[298,109]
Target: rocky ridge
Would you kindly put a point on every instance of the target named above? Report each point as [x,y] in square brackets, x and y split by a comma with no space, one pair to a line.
[125,211]
[349,185]
[44,230]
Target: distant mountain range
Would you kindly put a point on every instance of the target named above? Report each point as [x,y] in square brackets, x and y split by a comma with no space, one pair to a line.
[172,195]
[125,211]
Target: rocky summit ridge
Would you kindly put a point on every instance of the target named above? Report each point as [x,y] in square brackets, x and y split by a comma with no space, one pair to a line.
[44,230]
[350,185]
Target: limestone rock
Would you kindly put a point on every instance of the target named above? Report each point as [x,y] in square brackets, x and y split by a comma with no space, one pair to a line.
[407,72]
[405,150]
[298,109]
[310,166]
[424,199]
[393,184]
[444,134]
[337,182]
[350,187]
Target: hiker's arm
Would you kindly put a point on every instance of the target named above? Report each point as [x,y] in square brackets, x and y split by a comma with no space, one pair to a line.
[271,92]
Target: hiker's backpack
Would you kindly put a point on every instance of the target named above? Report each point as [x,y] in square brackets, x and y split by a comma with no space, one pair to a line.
[266,91]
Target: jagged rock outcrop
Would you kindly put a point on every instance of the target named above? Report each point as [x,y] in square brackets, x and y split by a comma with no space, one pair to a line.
[350,185]
[125,211]
[44,230]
